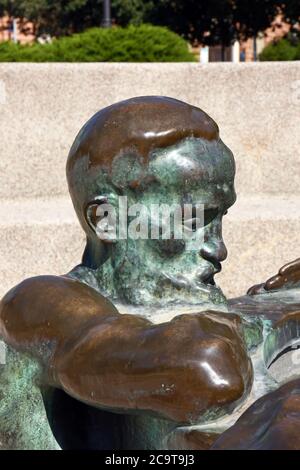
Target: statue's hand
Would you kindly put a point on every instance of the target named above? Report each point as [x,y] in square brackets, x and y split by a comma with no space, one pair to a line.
[288,277]
[192,366]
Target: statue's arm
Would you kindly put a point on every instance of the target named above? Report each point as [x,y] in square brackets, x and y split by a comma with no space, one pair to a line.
[179,369]
[288,277]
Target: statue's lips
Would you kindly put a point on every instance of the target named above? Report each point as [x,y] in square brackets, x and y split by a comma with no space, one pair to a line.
[204,279]
[206,275]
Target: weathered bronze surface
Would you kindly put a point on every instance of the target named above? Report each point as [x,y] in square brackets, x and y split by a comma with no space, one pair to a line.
[191,439]
[69,327]
[137,343]
[288,276]
[271,423]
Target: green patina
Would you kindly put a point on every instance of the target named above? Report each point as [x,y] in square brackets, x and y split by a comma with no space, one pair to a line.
[23,420]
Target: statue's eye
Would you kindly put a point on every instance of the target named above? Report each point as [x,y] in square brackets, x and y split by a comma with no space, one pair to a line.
[191,219]
[210,215]
[195,221]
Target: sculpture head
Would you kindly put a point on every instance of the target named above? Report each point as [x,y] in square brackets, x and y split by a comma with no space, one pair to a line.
[153,150]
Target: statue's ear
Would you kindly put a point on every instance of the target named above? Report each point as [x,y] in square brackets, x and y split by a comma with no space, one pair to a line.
[101,216]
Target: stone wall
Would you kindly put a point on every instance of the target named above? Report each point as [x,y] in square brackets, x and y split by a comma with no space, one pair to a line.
[42,107]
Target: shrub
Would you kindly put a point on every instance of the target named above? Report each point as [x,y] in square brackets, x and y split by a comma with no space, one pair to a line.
[280,50]
[143,43]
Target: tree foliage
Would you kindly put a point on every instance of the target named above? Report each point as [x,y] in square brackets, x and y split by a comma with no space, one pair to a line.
[291,11]
[281,50]
[56,17]
[225,20]
[144,43]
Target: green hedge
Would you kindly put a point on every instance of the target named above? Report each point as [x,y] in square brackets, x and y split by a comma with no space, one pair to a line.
[143,43]
[281,50]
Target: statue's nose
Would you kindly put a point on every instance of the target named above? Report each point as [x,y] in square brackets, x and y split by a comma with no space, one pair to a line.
[215,252]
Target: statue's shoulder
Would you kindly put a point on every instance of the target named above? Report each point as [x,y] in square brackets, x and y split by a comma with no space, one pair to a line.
[49,309]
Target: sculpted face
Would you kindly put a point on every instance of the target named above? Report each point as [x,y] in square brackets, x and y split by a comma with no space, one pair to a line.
[188,170]
[161,271]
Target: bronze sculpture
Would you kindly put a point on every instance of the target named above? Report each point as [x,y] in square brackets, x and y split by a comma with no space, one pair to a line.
[137,341]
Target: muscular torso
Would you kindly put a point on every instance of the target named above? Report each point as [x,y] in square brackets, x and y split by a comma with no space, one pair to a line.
[137,375]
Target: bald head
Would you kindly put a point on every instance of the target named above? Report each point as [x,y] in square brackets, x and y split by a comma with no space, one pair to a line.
[139,125]
[113,149]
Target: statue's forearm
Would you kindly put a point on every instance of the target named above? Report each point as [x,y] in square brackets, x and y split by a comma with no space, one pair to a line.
[129,364]
[124,362]
[85,346]
[114,364]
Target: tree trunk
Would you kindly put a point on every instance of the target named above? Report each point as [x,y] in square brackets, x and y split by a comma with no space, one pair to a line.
[223,53]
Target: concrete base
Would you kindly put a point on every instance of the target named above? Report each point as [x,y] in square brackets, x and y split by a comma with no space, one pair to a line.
[42,107]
